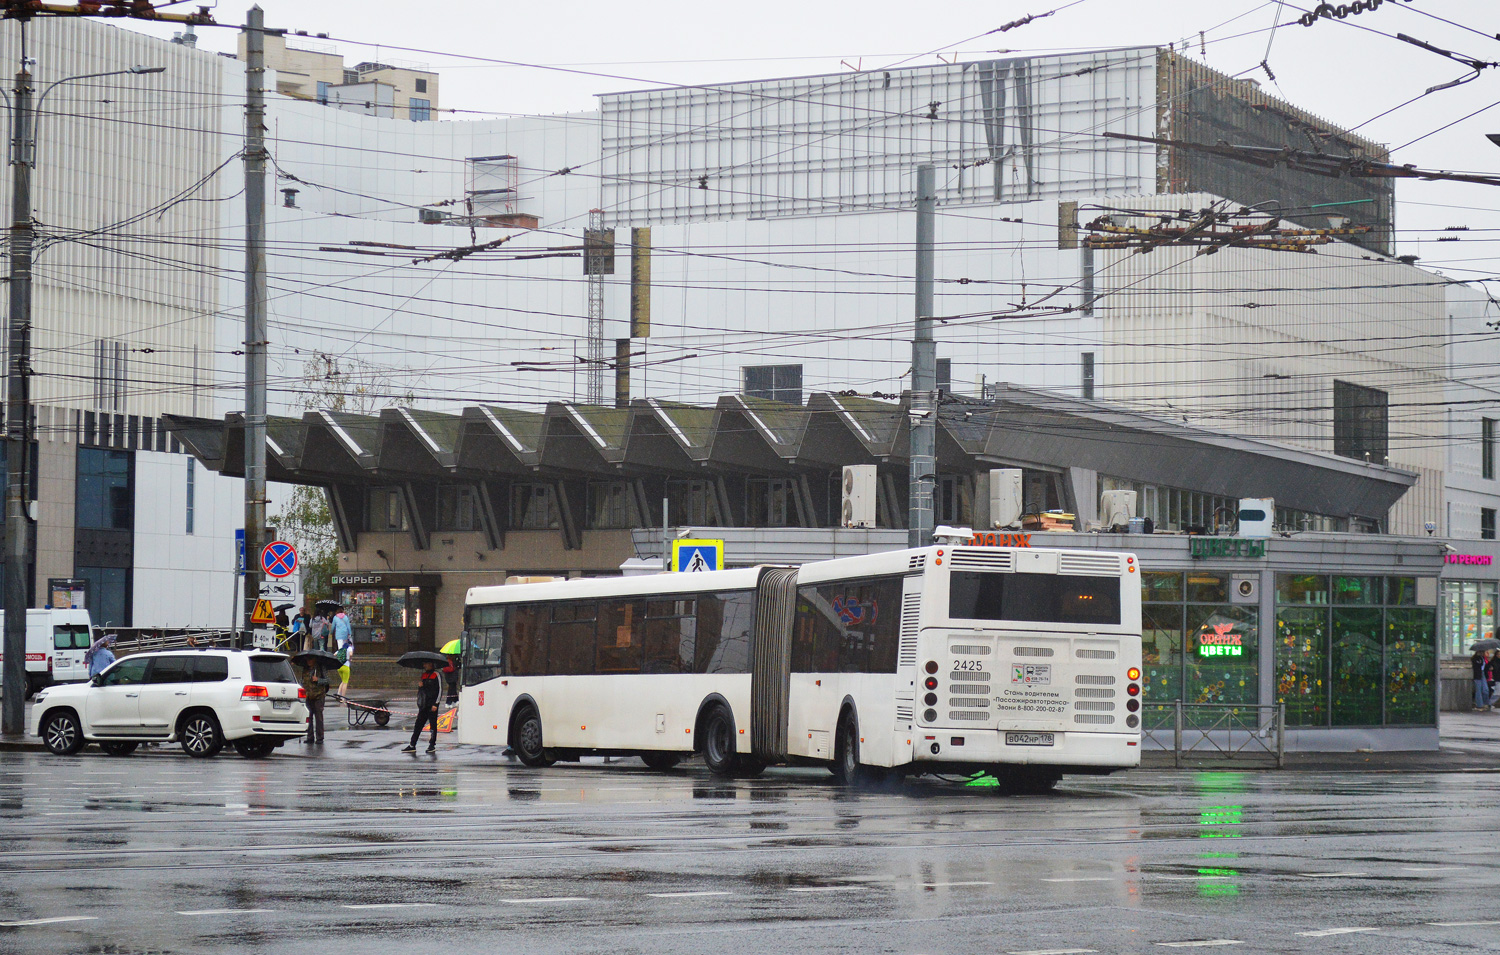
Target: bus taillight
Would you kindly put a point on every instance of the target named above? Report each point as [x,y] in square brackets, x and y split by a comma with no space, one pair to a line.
[932,667]
[1132,674]
[930,683]
[1134,689]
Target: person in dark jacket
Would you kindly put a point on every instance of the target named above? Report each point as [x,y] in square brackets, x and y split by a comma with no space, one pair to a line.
[428,691]
[1479,661]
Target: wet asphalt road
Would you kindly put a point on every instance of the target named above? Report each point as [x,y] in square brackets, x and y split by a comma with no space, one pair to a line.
[158,853]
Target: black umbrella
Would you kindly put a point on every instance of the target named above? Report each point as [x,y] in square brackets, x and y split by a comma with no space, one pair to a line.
[321,659]
[1488,643]
[416,658]
[328,605]
[280,608]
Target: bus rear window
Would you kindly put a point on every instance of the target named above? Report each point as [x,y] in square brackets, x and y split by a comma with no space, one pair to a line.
[1034,598]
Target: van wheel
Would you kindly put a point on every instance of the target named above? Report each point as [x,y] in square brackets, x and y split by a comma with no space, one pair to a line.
[661,762]
[200,736]
[527,739]
[62,734]
[719,750]
[119,748]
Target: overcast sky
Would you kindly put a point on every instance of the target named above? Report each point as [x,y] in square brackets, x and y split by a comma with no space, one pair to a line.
[1346,71]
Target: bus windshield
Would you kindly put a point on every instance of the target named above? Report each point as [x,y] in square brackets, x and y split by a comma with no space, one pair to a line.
[1034,598]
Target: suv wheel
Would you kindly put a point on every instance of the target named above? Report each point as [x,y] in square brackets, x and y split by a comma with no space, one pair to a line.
[200,735]
[62,734]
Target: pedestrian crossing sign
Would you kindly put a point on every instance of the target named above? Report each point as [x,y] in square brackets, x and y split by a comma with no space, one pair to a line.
[691,556]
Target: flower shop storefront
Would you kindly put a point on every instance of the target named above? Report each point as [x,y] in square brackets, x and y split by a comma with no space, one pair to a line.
[1341,629]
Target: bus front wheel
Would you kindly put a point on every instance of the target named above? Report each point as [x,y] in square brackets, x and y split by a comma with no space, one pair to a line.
[527,740]
[661,762]
[720,753]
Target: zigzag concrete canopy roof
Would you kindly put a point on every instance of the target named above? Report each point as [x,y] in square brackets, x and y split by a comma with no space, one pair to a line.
[744,435]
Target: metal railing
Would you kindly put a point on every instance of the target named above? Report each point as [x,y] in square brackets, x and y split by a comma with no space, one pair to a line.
[141,641]
[1240,732]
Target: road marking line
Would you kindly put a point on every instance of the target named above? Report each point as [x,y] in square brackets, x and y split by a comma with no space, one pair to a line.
[823,888]
[939,885]
[1465,924]
[1332,875]
[1084,878]
[225,911]
[1433,868]
[682,895]
[1201,943]
[1055,951]
[392,905]
[51,921]
[1323,933]
[553,898]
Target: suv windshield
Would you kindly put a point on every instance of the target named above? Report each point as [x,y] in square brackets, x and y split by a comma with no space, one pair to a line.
[271,670]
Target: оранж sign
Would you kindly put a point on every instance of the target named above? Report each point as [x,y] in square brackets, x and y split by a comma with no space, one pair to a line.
[1205,547]
[693,556]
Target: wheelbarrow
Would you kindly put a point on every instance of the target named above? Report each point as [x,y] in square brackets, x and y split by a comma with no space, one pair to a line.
[363,712]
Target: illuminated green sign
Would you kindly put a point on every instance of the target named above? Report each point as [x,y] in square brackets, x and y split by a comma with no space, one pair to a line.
[1220,651]
[1202,548]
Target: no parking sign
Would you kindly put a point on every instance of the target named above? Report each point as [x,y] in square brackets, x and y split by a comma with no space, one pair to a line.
[278,559]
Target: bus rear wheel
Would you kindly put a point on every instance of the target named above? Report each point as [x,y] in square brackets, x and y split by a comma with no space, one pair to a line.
[846,768]
[720,754]
[527,739]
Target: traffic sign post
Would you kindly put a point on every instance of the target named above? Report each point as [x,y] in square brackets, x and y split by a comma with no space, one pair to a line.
[695,556]
[278,559]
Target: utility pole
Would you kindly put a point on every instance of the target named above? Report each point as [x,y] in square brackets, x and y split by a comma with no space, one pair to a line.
[923,413]
[255,305]
[18,406]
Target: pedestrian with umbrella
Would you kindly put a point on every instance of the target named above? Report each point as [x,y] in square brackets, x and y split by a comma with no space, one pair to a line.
[1483,652]
[453,650]
[429,688]
[315,665]
[100,655]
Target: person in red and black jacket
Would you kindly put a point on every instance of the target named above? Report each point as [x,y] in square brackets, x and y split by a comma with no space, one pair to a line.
[428,691]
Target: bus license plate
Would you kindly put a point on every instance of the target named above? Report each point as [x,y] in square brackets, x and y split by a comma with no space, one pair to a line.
[1028,739]
[281,704]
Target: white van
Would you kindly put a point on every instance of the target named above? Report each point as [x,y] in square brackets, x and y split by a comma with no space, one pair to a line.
[56,641]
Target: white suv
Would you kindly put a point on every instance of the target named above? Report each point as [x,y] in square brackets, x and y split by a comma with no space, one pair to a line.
[201,698]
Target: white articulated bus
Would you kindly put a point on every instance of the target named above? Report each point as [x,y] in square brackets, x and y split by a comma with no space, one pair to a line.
[1024,663]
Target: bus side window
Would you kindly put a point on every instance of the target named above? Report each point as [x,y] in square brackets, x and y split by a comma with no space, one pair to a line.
[670,633]
[526,650]
[815,647]
[725,622]
[620,636]
[570,638]
[885,628]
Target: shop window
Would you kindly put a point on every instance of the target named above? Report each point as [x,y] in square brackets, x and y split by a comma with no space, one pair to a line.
[771,502]
[610,505]
[1222,659]
[1468,614]
[1354,667]
[1161,587]
[533,507]
[1410,661]
[1487,523]
[457,508]
[1207,588]
[1368,657]
[1161,658]
[1361,422]
[1302,665]
[774,382]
